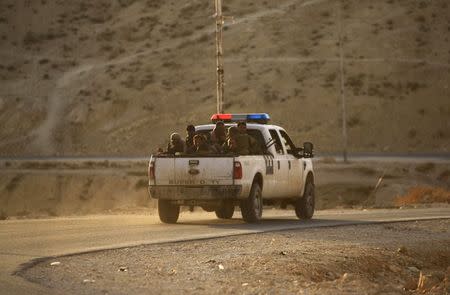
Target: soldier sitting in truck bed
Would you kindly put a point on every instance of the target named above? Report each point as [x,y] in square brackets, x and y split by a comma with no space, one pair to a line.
[237,142]
[254,147]
[190,147]
[201,146]
[176,144]
[218,136]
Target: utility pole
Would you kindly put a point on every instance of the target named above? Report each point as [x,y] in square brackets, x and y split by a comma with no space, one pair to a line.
[219,56]
[344,107]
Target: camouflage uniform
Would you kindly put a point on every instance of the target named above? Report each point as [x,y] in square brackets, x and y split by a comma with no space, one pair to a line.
[243,144]
[237,143]
[218,137]
[201,146]
[254,148]
[190,148]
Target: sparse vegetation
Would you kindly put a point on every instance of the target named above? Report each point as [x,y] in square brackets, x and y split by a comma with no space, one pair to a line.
[30,38]
[204,38]
[206,98]
[439,134]
[33,38]
[141,184]
[343,195]
[423,195]
[228,104]
[270,95]
[354,121]
[390,24]
[367,171]
[330,79]
[412,133]
[420,19]
[126,3]
[13,183]
[23,213]
[84,196]
[414,86]
[328,160]
[137,84]
[425,168]
[51,212]
[137,173]
[107,35]
[3,215]
[356,83]
[444,176]
[188,11]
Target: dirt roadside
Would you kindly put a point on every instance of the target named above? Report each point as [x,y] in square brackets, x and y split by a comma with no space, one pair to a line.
[363,259]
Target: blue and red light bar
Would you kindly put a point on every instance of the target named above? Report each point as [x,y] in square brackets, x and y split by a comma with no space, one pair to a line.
[261,118]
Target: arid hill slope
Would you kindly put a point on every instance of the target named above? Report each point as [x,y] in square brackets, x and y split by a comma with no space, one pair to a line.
[116,77]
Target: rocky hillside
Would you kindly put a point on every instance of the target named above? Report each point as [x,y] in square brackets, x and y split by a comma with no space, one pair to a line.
[115,77]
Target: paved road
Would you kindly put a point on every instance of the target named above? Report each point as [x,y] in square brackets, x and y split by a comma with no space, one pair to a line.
[24,240]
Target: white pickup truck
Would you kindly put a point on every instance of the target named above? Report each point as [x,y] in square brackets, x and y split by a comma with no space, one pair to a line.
[281,174]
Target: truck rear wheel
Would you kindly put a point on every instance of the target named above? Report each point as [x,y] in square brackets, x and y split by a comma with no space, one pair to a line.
[168,212]
[251,208]
[304,206]
[225,211]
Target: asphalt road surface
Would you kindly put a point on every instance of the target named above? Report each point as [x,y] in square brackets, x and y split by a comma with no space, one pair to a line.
[22,241]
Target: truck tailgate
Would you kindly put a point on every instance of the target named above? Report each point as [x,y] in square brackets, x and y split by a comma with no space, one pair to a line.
[194,171]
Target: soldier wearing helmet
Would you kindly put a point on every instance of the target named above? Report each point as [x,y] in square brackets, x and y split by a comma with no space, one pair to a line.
[176,144]
[237,143]
[190,130]
[201,146]
[253,145]
[219,136]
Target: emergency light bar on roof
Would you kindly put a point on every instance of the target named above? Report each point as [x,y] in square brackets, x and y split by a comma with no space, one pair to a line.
[260,118]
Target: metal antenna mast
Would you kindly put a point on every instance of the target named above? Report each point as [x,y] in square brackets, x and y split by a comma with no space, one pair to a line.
[219,56]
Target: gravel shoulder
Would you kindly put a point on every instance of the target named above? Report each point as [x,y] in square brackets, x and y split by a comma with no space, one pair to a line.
[363,259]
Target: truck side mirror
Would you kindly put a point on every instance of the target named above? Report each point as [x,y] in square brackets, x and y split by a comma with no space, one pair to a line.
[308,150]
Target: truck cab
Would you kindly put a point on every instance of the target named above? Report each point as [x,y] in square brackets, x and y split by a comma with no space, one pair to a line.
[278,174]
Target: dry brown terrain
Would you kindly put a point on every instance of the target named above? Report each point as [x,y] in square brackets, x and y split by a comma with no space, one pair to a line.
[363,259]
[30,189]
[115,77]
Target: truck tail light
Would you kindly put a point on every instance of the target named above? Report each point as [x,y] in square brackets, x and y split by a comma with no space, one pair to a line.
[151,171]
[237,171]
